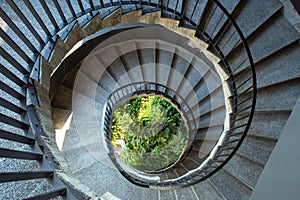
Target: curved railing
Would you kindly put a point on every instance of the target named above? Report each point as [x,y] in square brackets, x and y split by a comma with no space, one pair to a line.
[243,82]
[25,56]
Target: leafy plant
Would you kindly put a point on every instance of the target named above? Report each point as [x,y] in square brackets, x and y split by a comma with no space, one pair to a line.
[152,130]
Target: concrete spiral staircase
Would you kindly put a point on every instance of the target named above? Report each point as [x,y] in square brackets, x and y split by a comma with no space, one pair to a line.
[31,163]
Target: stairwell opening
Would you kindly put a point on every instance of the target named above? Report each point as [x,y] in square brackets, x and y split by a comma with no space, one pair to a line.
[148,133]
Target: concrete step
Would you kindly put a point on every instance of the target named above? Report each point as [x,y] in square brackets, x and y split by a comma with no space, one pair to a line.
[279,67]
[268,124]
[194,10]
[41,188]
[245,169]
[14,119]
[215,117]
[213,101]
[254,13]
[194,76]
[278,97]
[62,98]
[177,71]
[12,89]
[112,181]
[20,189]
[164,60]
[209,82]
[106,82]
[13,165]
[78,158]
[65,129]
[12,73]
[117,70]
[148,72]
[165,54]
[233,7]
[206,190]
[149,9]
[88,87]
[167,195]
[210,133]
[147,60]
[246,23]
[257,148]
[129,8]
[186,194]
[70,78]
[225,182]
[71,140]
[215,17]
[257,42]
[203,147]
[8,144]
[67,99]
[174,5]
[282,96]
[196,155]
[171,174]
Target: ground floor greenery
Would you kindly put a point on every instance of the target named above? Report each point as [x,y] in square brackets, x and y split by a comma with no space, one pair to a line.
[152,131]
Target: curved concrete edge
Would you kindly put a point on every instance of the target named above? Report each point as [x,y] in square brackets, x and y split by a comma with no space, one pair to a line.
[74,184]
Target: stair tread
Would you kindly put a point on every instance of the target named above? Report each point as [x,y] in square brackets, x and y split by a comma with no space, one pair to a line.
[19,189]
[110,177]
[268,124]
[69,79]
[167,195]
[78,158]
[218,19]
[215,117]
[244,169]
[258,149]
[226,182]
[206,191]
[255,10]
[282,96]
[189,10]
[279,67]
[186,193]
[247,24]
[42,188]
[261,49]
[63,98]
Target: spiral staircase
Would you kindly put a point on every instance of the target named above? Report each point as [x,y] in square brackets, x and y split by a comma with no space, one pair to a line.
[61,61]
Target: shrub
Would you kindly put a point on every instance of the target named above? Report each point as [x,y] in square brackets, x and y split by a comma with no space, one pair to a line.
[153,132]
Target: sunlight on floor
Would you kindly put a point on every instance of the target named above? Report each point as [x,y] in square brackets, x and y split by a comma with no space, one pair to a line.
[4,27]
[61,133]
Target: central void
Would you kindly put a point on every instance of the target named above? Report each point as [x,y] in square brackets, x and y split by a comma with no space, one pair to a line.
[148,133]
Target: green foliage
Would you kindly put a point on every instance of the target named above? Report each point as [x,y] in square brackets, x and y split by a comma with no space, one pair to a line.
[150,127]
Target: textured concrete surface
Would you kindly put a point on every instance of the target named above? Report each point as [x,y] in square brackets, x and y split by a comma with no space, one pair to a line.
[115,183]
[258,149]
[268,124]
[246,170]
[204,191]
[224,182]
